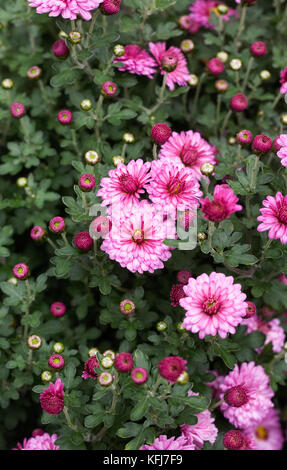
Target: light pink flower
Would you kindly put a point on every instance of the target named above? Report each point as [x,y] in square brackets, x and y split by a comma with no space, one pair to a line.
[190,149]
[201,12]
[255,385]
[203,430]
[272,329]
[223,205]
[274,217]
[125,184]
[213,304]
[136,238]
[68,9]
[214,385]
[137,61]
[163,443]
[282,143]
[180,75]
[43,442]
[267,433]
[173,186]
[283,81]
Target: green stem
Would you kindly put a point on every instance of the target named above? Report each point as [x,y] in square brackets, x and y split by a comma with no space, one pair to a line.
[51,243]
[68,419]
[225,122]
[241,25]
[211,227]
[249,68]
[65,239]
[91,29]
[154,151]
[197,93]
[277,99]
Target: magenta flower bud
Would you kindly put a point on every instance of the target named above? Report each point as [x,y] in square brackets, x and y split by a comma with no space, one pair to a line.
[38,233]
[176,294]
[236,396]
[139,375]
[90,368]
[170,368]
[65,117]
[58,309]
[215,66]
[56,361]
[87,182]
[221,85]
[251,310]
[34,342]
[38,432]
[244,137]
[188,24]
[110,7]
[60,49]
[100,227]
[238,102]
[276,145]
[127,307]
[183,277]
[233,440]
[258,49]
[21,271]
[57,225]
[124,362]
[83,241]
[34,72]
[17,110]
[109,89]
[160,133]
[169,61]
[261,144]
[52,399]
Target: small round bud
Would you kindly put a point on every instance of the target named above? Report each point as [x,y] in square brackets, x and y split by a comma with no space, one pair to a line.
[187,45]
[56,361]
[118,159]
[215,66]
[128,138]
[233,440]
[7,84]
[261,144]
[65,117]
[34,342]
[22,182]
[235,64]
[223,56]
[92,157]
[188,24]
[180,328]
[109,89]
[193,80]
[221,85]
[110,7]
[119,50]
[87,182]
[265,75]
[232,140]
[13,281]
[46,376]
[161,326]
[17,110]
[21,271]
[60,49]
[34,72]
[62,35]
[238,102]
[107,362]
[283,118]
[127,307]
[201,236]
[105,379]
[57,225]
[222,9]
[244,137]
[58,309]
[183,379]
[139,375]
[183,277]
[169,61]
[258,49]
[75,37]
[58,348]
[236,396]
[83,241]
[124,362]
[86,105]
[93,351]
[251,310]
[110,353]
[160,133]
[207,169]
[38,233]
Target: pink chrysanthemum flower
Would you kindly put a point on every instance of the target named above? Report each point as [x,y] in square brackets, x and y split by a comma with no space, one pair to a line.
[39,442]
[173,186]
[179,73]
[274,217]
[283,81]
[137,61]
[125,183]
[203,430]
[214,385]
[201,12]
[176,294]
[213,304]
[68,9]
[281,147]
[266,434]
[272,329]
[223,205]
[235,440]
[283,278]
[52,398]
[136,238]
[171,367]
[163,443]
[251,386]
[90,365]
[190,149]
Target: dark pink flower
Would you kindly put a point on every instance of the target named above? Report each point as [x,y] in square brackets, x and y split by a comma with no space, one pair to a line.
[173,58]
[170,368]
[160,133]
[89,370]
[223,205]
[52,398]
[124,362]
[176,294]
[83,241]
[60,49]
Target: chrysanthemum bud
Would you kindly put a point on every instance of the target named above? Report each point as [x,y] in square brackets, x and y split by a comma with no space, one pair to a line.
[75,37]
[107,362]
[105,379]
[124,362]
[207,169]
[193,80]
[261,144]
[251,310]
[187,45]
[235,64]
[160,133]
[60,49]
[222,9]
[244,137]
[118,159]
[56,361]
[128,138]
[183,277]
[86,105]
[161,326]
[21,271]
[233,440]
[87,182]
[62,35]
[46,376]
[58,348]
[65,117]
[139,375]
[110,353]
[223,56]
[127,307]
[58,309]
[215,66]
[169,61]
[110,7]
[201,236]
[258,49]
[221,85]
[83,241]
[34,72]
[17,110]
[265,75]
[92,157]
[22,182]
[13,281]
[238,102]
[183,379]
[236,396]
[7,84]
[171,367]
[93,351]
[119,50]
[283,118]
[180,328]
[57,225]
[34,342]
[231,140]
[109,89]
[38,233]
